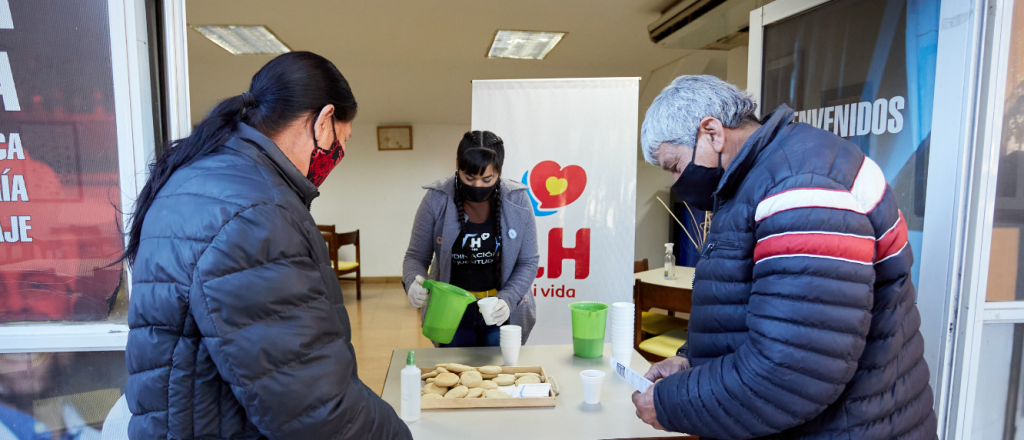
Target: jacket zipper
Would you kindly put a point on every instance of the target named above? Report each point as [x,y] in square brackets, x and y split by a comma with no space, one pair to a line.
[719,244]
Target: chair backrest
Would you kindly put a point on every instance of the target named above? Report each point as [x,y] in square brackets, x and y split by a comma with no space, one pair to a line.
[648,296]
[348,238]
[331,237]
[641,266]
[115,427]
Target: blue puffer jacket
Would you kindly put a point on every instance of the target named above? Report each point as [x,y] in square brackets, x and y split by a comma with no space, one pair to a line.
[803,322]
[238,328]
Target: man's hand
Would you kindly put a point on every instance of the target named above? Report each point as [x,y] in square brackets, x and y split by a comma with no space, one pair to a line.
[645,408]
[667,368]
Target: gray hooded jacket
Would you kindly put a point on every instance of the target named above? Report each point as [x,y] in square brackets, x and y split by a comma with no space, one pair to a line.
[437,226]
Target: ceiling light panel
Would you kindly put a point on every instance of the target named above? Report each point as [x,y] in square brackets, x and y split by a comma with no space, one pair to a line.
[523,45]
[244,40]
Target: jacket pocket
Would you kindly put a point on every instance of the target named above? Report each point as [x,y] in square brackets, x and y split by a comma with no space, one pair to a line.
[718,245]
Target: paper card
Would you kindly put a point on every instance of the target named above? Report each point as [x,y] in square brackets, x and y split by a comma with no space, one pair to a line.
[635,379]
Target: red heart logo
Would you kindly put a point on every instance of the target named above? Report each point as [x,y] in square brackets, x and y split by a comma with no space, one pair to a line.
[554,186]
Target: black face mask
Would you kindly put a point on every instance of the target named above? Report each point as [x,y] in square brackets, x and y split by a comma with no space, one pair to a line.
[475,193]
[697,184]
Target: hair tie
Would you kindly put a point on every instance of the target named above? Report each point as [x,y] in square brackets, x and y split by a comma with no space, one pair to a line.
[248,101]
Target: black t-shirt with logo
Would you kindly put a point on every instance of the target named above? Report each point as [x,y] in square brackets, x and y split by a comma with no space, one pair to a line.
[475,256]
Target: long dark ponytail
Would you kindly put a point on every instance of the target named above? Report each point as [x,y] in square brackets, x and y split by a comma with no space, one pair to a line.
[478,150]
[291,86]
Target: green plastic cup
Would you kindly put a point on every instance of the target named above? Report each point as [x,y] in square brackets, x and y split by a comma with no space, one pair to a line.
[588,322]
[444,312]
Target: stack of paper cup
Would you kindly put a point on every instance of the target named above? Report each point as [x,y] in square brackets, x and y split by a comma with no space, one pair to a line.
[511,341]
[622,314]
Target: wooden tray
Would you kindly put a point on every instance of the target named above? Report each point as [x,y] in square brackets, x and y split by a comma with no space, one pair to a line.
[519,402]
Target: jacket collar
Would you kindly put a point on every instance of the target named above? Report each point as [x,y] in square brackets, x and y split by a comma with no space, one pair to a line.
[447,186]
[771,126]
[302,186]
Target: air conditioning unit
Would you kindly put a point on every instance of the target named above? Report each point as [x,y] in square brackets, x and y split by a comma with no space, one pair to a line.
[705,24]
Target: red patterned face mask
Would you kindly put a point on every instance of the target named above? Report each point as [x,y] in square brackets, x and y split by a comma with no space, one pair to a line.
[322,161]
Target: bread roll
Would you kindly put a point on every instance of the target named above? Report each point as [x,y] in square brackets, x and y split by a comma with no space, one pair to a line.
[503,381]
[457,393]
[471,379]
[527,379]
[459,368]
[490,369]
[446,380]
[496,394]
[432,388]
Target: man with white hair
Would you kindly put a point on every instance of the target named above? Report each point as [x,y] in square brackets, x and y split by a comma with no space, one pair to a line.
[803,322]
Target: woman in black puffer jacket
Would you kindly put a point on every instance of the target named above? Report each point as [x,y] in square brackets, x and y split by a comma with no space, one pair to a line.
[238,328]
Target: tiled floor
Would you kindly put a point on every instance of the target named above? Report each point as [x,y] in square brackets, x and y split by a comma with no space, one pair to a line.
[381,322]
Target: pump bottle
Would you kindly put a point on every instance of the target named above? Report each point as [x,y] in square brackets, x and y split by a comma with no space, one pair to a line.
[410,389]
[670,262]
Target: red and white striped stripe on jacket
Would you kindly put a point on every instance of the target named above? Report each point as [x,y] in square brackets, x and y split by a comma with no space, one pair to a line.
[865,195]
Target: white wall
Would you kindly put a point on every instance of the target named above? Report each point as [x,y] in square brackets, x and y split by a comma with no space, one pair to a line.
[652,220]
[378,192]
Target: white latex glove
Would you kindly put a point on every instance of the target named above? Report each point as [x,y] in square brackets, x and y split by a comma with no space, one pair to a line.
[501,312]
[417,293]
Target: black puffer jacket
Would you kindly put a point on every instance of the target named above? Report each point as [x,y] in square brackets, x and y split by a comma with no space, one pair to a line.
[238,328]
[803,322]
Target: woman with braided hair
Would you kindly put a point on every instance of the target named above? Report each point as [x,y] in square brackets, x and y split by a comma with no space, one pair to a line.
[476,230]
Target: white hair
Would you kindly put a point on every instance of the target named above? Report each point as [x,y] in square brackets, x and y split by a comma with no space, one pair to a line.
[675,114]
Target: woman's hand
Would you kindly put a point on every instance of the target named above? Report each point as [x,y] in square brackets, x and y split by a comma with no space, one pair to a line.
[417,293]
[501,312]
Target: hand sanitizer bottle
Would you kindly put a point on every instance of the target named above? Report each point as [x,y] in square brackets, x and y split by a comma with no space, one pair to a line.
[670,262]
[410,389]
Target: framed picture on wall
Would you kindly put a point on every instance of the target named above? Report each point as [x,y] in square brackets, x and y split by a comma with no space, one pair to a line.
[394,137]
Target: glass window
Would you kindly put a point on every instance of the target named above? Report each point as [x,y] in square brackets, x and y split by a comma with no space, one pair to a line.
[1005,274]
[59,184]
[58,396]
[864,70]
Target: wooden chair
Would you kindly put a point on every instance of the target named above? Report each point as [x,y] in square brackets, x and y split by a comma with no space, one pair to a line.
[647,296]
[329,234]
[347,267]
[334,242]
[641,266]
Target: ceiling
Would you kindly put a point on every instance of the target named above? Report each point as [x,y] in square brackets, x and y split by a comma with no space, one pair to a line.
[412,61]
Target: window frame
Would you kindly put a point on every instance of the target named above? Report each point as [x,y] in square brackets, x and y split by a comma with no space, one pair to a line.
[134,113]
[994,45]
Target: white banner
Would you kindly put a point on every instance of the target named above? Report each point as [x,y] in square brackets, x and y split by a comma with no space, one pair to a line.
[573,142]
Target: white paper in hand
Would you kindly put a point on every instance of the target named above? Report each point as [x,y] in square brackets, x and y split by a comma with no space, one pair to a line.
[635,379]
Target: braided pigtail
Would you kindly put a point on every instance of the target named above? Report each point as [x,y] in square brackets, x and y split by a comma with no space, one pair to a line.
[459,198]
[496,215]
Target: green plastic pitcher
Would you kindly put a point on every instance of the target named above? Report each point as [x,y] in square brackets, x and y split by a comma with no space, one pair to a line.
[444,312]
[588,322]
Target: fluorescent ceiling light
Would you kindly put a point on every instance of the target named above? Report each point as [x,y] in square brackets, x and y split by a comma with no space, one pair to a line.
[244,40]
[523,45]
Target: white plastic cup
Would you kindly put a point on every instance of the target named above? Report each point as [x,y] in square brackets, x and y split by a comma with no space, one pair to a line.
[592,383]
[487,306]
[510,353]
